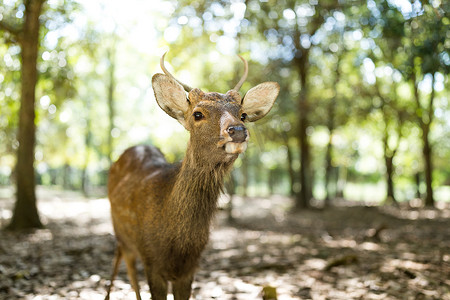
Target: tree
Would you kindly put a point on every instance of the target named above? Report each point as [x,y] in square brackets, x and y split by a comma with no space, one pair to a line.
[22,26]
[390,32]
[393,120]
[331,126]
[427,31]
[26,35]
[110,54]
[292,28]
[331,103]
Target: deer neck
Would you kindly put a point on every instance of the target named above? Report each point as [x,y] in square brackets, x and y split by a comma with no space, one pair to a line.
[194,196]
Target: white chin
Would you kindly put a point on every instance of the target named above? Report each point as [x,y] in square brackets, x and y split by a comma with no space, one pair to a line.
[235,148]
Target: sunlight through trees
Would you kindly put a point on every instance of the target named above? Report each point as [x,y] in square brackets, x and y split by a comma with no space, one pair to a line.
[362,114]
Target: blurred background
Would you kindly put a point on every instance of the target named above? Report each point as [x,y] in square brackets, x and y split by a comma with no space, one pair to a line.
[363,113]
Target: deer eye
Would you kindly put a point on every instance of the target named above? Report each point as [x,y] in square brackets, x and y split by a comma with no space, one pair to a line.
[198,116]
[243,117]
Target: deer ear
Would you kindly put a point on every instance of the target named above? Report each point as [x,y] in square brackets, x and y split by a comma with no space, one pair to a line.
[259,100]
[170,96]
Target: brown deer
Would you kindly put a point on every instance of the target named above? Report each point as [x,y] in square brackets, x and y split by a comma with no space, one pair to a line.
[161,212]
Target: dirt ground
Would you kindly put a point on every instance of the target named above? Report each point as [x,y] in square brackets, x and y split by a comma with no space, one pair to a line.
[345,252]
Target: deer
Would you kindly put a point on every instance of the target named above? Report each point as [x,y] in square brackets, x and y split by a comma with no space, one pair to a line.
[162,212]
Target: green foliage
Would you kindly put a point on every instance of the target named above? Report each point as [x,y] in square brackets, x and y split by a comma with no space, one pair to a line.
[363,61]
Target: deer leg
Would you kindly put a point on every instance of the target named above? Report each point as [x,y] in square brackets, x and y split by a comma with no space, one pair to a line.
[157,284]
[130,260]
[116,264]
[182,288]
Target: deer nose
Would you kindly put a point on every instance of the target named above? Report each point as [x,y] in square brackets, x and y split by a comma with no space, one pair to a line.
[238,133]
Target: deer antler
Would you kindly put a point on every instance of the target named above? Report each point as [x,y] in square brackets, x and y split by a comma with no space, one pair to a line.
[185,86]
[244,77]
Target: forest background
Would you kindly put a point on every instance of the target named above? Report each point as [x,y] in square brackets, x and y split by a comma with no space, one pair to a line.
[363,113]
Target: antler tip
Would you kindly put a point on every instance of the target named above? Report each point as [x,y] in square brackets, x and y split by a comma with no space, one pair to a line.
[185,86]
[244,77]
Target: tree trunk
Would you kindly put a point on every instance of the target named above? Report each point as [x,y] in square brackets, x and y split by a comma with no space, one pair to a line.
[427,151]
[244,170]
[305,178]
[110,91]
[417,181]
[389,155]
[290,161]
[425,117]
[25,210]
[328,159]
[88,140]
[331,126]
[390,198]
[328,170]
[230,186]
[271,180]
[429,199]
[305,195]
[341,182]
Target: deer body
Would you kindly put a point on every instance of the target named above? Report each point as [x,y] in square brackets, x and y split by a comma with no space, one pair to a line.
[167,216]
[162,212]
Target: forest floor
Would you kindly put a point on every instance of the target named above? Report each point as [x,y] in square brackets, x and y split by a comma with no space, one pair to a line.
[345,252]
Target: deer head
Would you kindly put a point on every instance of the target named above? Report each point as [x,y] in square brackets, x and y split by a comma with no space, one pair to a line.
[216,122]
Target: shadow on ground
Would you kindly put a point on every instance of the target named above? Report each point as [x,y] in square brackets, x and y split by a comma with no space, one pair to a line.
[340,253]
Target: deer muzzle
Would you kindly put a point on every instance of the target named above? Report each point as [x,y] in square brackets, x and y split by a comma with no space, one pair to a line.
[237,137]
[233,134]
[237,133]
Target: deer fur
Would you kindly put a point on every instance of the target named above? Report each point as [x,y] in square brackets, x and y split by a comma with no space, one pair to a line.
[161,212]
